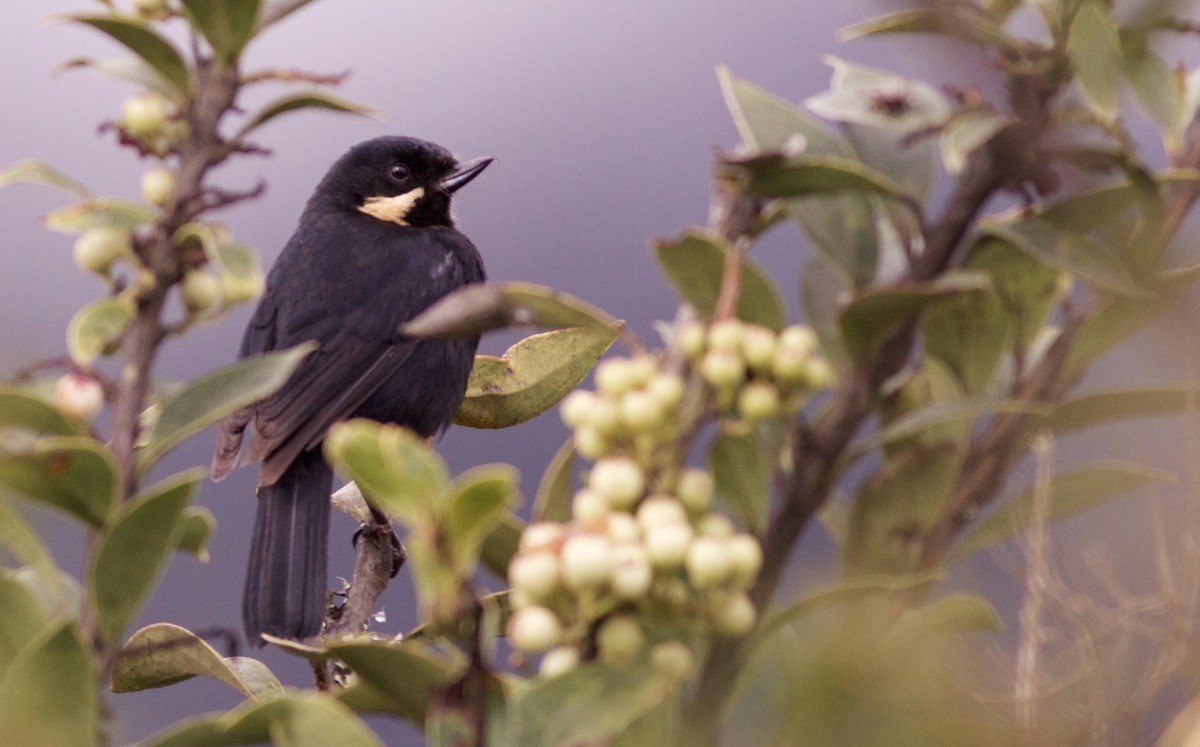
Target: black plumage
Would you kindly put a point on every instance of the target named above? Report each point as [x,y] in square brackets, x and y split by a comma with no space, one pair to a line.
[375,246]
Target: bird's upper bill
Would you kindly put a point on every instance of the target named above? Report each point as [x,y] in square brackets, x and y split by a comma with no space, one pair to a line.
[465,173]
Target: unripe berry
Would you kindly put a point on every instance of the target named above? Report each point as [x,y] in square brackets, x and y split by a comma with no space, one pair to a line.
[558,660]
[632,575]
[621,528]
[97,248]
[620,640]
[726,335]
[642,369]
[723,369]
[758,347]
[691,340]
[800,338]
[586,561]
[745,558]
[534,629]
[758,400]
[667,544]
[236,289]
[588,506]
[78,396]
[604,415]
[714,525]
[590,443]
[615,376]
[733,615]
[640,411]
[535,573]
[707,563]
[145,114]
[660,509]
[673,660]
[790,365]
[156,185]
[619,480]
[200,290]
[819,374]
[695,489]
[576,408]
[543,535]
[667,389]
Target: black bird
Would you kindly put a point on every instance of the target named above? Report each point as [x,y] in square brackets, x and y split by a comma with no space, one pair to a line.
[375,246]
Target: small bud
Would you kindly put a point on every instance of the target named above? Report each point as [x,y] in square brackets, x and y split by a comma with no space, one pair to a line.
[558,660]
[604,415]
[642,369]
[733,615]
[588,506]
[576,407]
[707,563]
[667,545]
[621,528]
[745,558]
[695,489]
[534,629]
[543,535]
[157,184]
[632,575]
[800,338]
[667,389]
[145,114]
[673,660]
[620,640]
[590,443]
[726,335]
[79,396]
[714,525]
[200,290]
[586,561]
[535,573]
[660,509]
[619,480]
[723,369]
[97,248]
[615,376]
[758,400]
[790,365]
[691,340]
[758,347]
[640,411]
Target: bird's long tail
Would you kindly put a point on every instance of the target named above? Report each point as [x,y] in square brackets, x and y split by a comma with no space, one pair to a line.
[286,579]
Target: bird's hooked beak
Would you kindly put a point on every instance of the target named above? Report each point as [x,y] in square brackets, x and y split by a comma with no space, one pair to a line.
[466,172]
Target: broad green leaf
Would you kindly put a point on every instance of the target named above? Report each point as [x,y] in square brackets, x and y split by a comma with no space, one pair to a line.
[964,22]
[807,176]
[1071,493]
[589,705]
[226,24]
[1081,256]
[24,545]
[1026,290]
[128,69]
[240,271]
[48,696]
[1094,48]
[96,328]
[1119,318]
[23,619]
[477,308]
[1158,89]
[878,313]
[954,613]
[822,289]
[742,474]
[394,468]
[931,386]
[406,676]
[481,498]
[966,132]
[695,265]
[953,413]
[19,409]
[557,486]
[218,393]
[531,377]
[970,333]
[1097,408]
[145,43]
[277,11]
[501,545]
[196,527]
[300,100]
[163,654]
[99,212]
[71,473]
[848,589]
[127,559]
[36,172]
[547,307]
[294,720]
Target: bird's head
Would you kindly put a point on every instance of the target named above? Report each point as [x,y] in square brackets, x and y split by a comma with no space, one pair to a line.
[400,180]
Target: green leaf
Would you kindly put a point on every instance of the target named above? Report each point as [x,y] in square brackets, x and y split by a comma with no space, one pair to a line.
[964,22]
[218,393]
[966,132]
[1026,289]
[36,172]
[1097,408]
[19,409]
[954,613]
[400,678]
[96,328]
[226,24]
[501,545]
[480,501]
[127,560]
[48,696]
[806,176]
[394,468]
[550,308]
[300,100]
[71,473]
[196,527]
[294,720]
[19,540]
[23,619]
[954,413]
[1158,89]
[822,289]
[970,333]
[848,589]
[557,486]
[742,474]
[588,705]
[128,69]
[163,654]
[145,43]
[877,313]
[531,377]
[1071,493]
[1069,251]
[695,265]
[99,212]
[1094,48]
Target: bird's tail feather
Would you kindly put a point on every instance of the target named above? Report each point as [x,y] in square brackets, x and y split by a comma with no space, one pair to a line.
[286,580]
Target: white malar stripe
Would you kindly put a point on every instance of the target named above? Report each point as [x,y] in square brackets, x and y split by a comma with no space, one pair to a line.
[393,209]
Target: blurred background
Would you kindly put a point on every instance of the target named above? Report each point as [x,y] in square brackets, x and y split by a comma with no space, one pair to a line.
[603,119]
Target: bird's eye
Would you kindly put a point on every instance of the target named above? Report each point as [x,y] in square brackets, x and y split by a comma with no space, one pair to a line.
[398,172]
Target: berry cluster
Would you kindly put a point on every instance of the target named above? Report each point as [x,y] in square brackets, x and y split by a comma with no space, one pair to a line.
[644,545]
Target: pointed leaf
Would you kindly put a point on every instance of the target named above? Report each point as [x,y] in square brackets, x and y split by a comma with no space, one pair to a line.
[557,486]
[531,377]
[163,654]
[955,412]
[70,473]
[96,328]
[99,212]
[196,527]
[20,542]
[806,176]
[846,590]
[967,132]
[145,43]
[1071,493]
[218,393]
[743,477]
[695,265]
[547,307]
[19,409]
[36,172]
[23,619]
[964,22]
[49,695]
[1094,48]
[405,675]
[954,613]
[127,560]
[299,100]
[395,470]
[1098,408]
[1080,255]
[481,499]
[129,69]
[294,720]
[1158,89]
[226,24]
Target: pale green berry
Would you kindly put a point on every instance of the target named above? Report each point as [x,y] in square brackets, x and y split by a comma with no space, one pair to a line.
[631,575]
[156,185]
[745,558]
[715,525]
[590,443]
[695,489]
[732,615]
[78,396]
[726,335]
[200,290]
[758,400]
[615,376]
[640,411]
[819,374]
[236,288]
[586,561]
[642,369]
[542,535]
[558,660]
[604,415]
[723,369]
[576,408]
[667,544]
[588,506]
[668,389]
[691,340]
[800,338]
[707,563]
[621,528]
[535,573]
[97,248]
[620,640]
[534,629]
[790,365]
[145,114]
[619,480]
[673,660]
[660,509]
[758,347]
